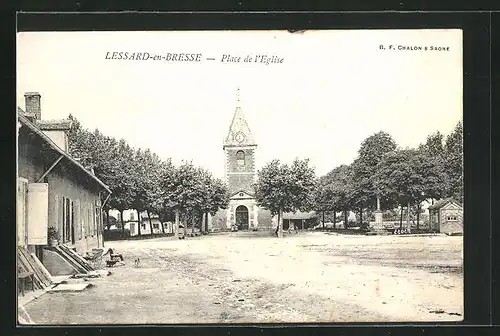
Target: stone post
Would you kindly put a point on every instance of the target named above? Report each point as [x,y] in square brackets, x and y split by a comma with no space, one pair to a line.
[378,216]
[176,225]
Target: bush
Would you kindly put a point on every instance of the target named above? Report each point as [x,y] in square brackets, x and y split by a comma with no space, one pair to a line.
[116,234]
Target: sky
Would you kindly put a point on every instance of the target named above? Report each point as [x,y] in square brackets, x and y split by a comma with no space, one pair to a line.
[333,89]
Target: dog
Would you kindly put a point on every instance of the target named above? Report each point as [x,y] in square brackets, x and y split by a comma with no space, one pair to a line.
[137,262]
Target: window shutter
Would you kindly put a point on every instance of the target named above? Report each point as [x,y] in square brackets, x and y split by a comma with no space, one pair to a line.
[73,223]
[78,220]
[21,212]
[57,222]
[38,213]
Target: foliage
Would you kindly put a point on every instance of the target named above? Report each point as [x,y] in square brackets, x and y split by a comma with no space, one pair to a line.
[285,188]
[370,154]
[410,176]
[52,233]
[454,162]
[335,189]
[434,145]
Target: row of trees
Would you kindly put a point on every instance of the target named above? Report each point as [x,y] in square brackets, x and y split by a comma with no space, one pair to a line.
[390,176]
[141,180]
[382,175]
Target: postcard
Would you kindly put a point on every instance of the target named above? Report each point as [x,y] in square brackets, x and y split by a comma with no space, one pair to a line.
[250,176]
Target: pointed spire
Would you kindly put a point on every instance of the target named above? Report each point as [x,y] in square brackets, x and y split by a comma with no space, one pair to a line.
[239,132]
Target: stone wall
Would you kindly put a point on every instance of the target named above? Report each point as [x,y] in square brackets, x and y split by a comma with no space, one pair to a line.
[232,165]
[265,219]
[237,182]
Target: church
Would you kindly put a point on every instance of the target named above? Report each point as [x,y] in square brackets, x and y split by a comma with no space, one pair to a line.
[240,174]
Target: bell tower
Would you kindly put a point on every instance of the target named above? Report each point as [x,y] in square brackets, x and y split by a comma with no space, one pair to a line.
[239,148]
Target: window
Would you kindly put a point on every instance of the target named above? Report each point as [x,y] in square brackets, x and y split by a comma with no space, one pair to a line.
[240,158]
[143,226]
[156,226]
[452,218]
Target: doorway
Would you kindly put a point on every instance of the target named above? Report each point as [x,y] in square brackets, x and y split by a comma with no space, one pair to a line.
[242,217]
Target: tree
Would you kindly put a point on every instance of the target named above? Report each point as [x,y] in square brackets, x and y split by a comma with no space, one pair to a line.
[409,177]
[434,145]
[323,197]
[335,190]
[371,152]
[124,188]
[374,148]
[454,162]
[109,160]
[182,190]
[282,188]
[146,181]
[432,178]
[434,151]
[215,197]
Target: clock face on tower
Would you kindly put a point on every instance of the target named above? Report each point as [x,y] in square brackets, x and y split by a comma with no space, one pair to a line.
[239,137]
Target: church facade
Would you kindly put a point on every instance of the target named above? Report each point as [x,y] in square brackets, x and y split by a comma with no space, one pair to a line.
[240,174]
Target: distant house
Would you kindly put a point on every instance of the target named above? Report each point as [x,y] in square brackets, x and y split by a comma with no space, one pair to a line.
[446,216]
[131,223]
[54,189]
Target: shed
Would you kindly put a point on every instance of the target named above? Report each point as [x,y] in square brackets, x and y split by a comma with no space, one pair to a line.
[302,220]
[446,216]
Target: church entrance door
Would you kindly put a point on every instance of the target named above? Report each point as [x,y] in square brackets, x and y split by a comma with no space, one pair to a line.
[242,217]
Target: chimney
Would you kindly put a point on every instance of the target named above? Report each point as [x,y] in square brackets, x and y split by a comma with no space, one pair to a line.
[32,104]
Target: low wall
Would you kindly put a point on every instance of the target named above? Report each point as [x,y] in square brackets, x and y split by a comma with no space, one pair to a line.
[140,237]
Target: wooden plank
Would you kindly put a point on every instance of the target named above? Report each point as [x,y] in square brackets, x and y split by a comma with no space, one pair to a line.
[38,274]
[46,281]
[22,267]
[77,257]
[46,275]
[68,258]
[27,266]
[37,281]
[82,262]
